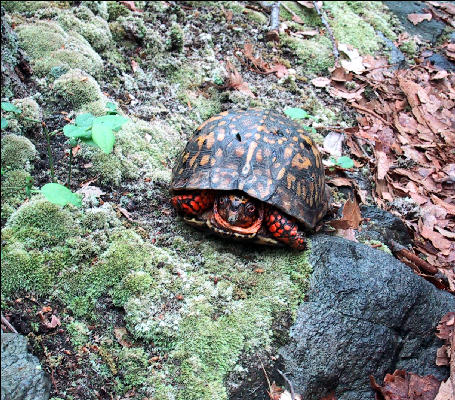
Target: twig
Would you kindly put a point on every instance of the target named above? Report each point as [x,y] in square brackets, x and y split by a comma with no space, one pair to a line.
[49,151]
[400,250]
[8,325]
[291,388]
[321,14]
[272,34]
[371,112]
[266,377]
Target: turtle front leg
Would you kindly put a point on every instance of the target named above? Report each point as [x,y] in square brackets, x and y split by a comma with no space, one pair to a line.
[193,203]
[285,229]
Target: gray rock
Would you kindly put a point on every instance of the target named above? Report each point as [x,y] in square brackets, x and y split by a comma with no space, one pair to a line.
[383,226]
[22,376]
[366,314]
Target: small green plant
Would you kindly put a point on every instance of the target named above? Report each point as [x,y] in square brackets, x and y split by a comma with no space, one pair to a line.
[8,107]
[96,131]
[343,162]
[61,195]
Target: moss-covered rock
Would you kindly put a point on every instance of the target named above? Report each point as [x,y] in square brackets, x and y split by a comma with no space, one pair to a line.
[49,46]
[30,111]
[142,149]
[116,10]
[316,53]
[99,8]
[40,224]
[176,38]
[31,7]
[76,88]
[13,189]
[93,28]
[17,152]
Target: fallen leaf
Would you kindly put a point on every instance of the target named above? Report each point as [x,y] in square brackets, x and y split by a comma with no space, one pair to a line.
[320,82]
[446,391]
[89,191]
[403,385]
[120,334]
[130,5]
[351,216]
[297,19]
[312,32]
[235,80]
[355,62]
[418,18]
[333,143]
[134,65]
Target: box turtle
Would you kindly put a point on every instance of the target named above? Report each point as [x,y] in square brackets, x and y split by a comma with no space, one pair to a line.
[252,175]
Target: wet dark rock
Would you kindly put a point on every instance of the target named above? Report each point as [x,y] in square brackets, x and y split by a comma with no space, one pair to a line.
[22,376]
[441,62]
[366,314]
[382,226]
[427,30]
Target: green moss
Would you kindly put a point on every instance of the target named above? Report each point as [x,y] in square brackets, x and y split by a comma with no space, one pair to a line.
[176,38]
[94,29]
[77,88]
[49,46]
[142,149]
[308,15]
[116,10]
[17,152]
[378,245]
[133,366]
[13,190]
[131,28]
[79,333]
[30,7]
[40,223]
[257,17]
[30,110]
[409,47]
[377,15]
[350,28]
[135,283]
[98,7]
[316,53]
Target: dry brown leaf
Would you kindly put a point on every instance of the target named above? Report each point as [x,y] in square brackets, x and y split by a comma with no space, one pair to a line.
[418,18]
[235,80]
[320,82]
[351,216]
[446,391]
[446,326]
[120,334]
[438,240]
[403,385]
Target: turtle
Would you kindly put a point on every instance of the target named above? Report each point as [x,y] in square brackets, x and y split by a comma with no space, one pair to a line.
[251,175]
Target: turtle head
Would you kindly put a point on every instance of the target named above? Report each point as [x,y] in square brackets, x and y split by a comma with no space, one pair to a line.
[237,210]
[237,214]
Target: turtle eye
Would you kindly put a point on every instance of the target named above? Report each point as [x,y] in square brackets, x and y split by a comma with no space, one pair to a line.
[250,208]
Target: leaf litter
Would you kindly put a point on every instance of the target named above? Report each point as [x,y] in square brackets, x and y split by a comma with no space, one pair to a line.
[407,121]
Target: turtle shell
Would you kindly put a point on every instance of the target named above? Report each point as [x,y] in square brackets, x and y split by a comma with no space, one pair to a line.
[260,152]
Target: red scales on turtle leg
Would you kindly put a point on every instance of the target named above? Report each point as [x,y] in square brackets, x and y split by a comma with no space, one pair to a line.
[193,203]
[285,229]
